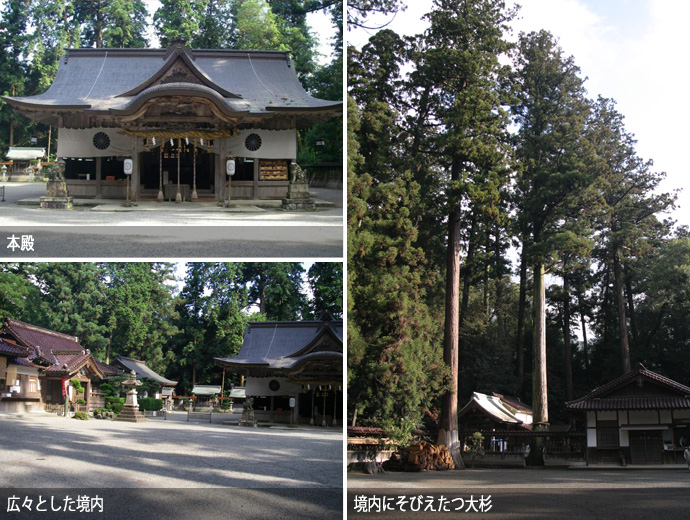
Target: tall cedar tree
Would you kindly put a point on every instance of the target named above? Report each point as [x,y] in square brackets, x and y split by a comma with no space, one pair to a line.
[217,28]
[178,19]
[210,321]
[395,370]
[461,51]
[326,282]
[13,40]
[141,311]
[631,201]
[276,289]
[112,23]
[73,301]
[551,114]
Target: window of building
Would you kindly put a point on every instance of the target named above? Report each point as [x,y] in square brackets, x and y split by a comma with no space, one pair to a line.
[33,385]
[80,169]
[607,434]
[244,169]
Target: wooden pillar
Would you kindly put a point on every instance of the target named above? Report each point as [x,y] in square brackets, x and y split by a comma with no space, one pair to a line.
[256,180]
[194,195]
[136,176]
[221,177]
[178,197]
[160,172]
[335,408]
[99,176]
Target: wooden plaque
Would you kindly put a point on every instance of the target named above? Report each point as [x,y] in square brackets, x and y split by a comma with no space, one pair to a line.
[273,170]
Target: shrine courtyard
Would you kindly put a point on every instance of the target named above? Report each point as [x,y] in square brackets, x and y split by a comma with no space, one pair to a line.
[170,466]
[172,230]
[654,493]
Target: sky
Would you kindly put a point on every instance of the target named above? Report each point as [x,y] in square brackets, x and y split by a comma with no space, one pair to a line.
[630,50]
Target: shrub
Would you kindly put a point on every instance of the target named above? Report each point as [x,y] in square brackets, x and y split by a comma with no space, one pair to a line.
[148,403]
[110,401]
[81,401]
[77,386]
[81,416]
[117,407]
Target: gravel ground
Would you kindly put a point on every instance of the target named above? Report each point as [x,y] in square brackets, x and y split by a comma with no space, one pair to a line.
[168,469]
[50,451]
[530,493]
[169,230]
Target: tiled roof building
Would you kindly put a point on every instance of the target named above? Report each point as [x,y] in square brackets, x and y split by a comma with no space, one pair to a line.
[641,417]
[300,360]
[35,362]
[178,114]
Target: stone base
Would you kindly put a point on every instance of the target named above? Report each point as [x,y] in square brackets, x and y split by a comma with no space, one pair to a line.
[56,202]
[131,414]
[298,197]
[56,189]
[248,419]
[294,204]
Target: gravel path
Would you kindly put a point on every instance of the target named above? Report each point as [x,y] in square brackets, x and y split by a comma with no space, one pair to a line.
[44,451]
[169,230]
[529,493]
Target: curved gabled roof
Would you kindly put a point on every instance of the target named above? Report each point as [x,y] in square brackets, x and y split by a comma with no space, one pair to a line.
[287,346]
[98,80]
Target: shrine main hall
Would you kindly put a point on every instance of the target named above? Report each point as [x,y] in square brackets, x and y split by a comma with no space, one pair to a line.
[174,119]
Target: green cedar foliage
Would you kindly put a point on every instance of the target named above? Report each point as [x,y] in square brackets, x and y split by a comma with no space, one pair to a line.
[16,291]
[141,311]
[395,369]
[112,23]
[276,288]
[326,282]
[210,322]
[217,26]
[73,301]
[178,19]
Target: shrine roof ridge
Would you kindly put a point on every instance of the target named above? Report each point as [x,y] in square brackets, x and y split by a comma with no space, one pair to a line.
[164,52]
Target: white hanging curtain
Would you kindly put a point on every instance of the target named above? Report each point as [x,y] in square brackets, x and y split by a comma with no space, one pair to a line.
[80,142]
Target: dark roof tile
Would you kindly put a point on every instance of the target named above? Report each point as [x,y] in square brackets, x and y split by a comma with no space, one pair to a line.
[41,340]
[271,343]
[11,349]
[601,398]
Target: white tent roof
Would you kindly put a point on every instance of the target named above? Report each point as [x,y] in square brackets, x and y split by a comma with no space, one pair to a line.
[17,153]
[206,390]
[493,406]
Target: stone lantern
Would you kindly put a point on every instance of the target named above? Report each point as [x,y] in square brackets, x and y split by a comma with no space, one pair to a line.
[130,412]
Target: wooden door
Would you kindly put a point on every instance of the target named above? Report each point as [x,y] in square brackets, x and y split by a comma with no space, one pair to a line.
[646,447]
